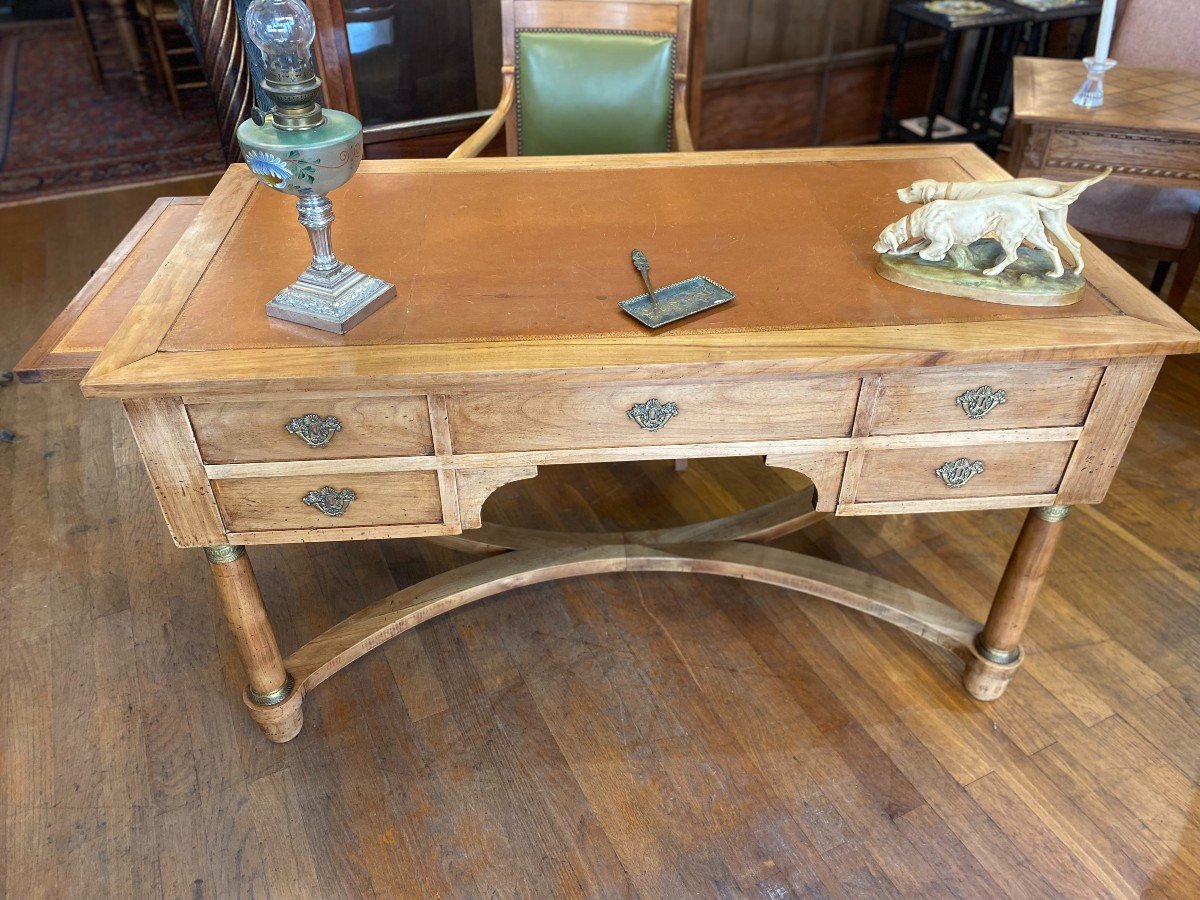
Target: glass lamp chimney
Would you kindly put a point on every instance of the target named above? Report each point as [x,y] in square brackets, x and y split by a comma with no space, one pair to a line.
[284,31]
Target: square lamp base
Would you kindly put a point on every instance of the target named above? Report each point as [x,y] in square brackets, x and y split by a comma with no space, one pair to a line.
[331,301]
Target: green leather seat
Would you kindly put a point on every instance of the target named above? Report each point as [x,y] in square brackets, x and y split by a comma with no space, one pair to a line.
[584,92]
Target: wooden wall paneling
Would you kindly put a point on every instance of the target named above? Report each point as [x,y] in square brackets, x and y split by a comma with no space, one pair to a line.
[485,43]
[728,35]
[699,33]
[777,105]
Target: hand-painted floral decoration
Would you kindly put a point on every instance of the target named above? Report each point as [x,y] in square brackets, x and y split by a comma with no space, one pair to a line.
[270,169]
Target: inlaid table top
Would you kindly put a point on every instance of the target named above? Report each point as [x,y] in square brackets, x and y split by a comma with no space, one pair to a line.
[1137,98]
[516,266]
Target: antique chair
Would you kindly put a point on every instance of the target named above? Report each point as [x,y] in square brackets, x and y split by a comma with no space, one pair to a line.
[171,53]
[1139,220]
[591,76]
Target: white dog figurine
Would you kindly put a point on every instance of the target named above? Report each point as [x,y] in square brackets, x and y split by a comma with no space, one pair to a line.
[1012,219]
[1055,220]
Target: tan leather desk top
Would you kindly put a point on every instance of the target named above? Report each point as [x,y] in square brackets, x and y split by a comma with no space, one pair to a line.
[492,255]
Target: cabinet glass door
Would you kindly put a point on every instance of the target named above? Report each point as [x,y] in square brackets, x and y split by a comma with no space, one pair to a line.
[413,60]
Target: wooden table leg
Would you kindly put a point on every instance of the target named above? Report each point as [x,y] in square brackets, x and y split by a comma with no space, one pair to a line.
[997,652]
[127,34]
[271,694]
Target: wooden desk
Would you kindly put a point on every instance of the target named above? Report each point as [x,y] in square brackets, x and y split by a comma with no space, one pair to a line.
[504,351]
[1148,128]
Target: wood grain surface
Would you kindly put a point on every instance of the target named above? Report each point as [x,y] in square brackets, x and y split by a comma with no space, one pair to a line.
[269,504]
[640,734]
[256,432]
[620,708]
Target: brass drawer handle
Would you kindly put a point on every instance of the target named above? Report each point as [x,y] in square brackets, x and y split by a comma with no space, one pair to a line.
[653,415]
[329,501]
[959,472]
[314,430]
[980,401]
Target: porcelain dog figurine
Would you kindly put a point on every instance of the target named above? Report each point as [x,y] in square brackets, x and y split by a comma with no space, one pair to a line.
[1055,220]
[1012,219]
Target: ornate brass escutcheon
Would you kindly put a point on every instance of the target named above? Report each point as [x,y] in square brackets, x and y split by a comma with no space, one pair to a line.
[653,415]
[313,429]
[330,501]
[980,401]
[959,472]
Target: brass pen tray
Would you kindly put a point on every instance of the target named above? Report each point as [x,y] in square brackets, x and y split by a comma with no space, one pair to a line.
[683,298]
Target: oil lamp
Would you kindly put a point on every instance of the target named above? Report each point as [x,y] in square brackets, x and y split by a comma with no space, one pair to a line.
[299,148]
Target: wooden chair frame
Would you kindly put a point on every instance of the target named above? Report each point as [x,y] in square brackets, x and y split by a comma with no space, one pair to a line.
[663,16]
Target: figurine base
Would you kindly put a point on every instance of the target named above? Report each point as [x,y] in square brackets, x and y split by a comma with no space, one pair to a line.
[1026,282]
[333,301]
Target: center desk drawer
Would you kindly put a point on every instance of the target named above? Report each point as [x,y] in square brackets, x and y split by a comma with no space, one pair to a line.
[981,398]
[286,430]
[639,415]
[343,500]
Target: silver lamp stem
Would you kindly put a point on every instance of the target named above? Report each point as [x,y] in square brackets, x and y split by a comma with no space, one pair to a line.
[316,215]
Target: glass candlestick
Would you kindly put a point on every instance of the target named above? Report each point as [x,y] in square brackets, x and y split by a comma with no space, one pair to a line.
[1091,94]
[301,149]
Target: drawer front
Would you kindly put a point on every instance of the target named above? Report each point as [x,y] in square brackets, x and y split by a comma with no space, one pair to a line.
[312,429]
[966,470]
[985,398]
[640,415]
[301,501]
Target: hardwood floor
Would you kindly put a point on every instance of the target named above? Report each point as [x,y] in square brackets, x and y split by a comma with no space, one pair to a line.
[652,735]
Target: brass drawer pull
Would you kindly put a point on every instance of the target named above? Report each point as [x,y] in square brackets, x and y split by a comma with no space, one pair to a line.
[959,472]
[980,401]
[329,501]
[314,430]
[653,415]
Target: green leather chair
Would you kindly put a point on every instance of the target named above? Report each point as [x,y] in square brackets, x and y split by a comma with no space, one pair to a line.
[613,79]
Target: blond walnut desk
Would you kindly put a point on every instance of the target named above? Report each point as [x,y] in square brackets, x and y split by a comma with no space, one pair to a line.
[505,351]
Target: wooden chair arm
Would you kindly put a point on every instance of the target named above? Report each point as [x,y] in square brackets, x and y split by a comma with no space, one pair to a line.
[683,134]
[474,145]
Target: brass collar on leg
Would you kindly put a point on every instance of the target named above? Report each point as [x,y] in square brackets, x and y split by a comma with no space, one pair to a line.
[1052,513]
[999,657]
[272,698]
[224,553]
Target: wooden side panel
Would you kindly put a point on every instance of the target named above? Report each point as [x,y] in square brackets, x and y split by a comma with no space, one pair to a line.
[1119,400]
[168,447]
[823,469]
[476,485]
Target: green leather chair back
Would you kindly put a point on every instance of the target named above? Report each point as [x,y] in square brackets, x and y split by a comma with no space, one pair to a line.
[584,92]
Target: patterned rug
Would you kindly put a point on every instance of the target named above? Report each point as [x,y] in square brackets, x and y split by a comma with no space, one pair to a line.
[62,134]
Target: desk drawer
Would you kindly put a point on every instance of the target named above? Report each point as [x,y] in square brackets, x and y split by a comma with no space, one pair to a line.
[966,470]
[985,398]
[273,504]
[281,431]
[653,415]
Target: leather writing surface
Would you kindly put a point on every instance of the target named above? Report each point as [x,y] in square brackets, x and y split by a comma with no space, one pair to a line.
[545,254]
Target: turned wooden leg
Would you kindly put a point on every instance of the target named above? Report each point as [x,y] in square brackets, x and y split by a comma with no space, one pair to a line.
[271,694]
[127,34]
[997,651]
